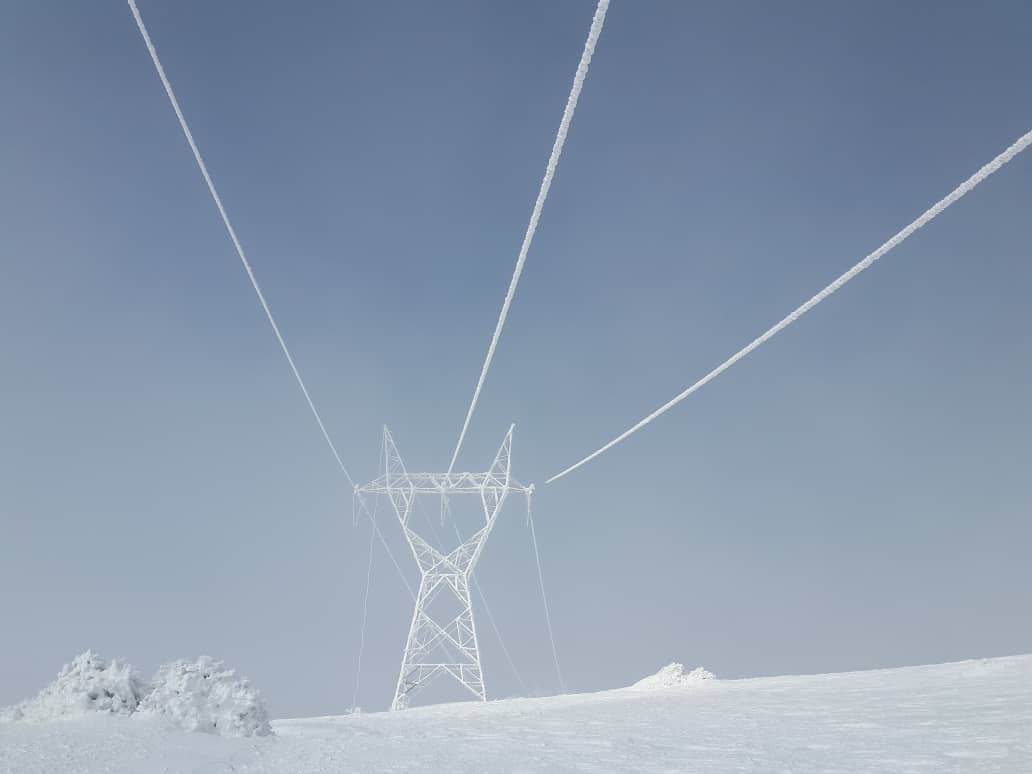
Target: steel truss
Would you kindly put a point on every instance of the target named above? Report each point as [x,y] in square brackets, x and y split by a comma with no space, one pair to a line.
[443,646]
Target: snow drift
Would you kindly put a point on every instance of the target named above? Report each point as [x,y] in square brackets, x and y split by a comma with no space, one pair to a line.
[201,695]
[673,676]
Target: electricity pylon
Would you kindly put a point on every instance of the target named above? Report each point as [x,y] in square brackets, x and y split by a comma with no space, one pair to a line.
[442,637]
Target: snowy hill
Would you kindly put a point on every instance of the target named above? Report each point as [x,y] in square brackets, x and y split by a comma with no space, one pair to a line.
[967,716]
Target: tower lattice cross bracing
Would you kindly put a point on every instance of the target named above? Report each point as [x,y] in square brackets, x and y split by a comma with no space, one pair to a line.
[442,638]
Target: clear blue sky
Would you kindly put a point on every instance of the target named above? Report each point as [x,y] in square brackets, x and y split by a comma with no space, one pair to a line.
[853,495]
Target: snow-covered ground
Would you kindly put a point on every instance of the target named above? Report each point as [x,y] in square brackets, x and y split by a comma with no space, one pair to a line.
[968,716]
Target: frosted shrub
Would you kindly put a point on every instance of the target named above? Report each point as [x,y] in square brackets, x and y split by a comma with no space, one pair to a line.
[203,695]
[88,684]
[672,676]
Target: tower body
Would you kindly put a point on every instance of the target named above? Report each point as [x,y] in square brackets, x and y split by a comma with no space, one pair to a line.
[442,638]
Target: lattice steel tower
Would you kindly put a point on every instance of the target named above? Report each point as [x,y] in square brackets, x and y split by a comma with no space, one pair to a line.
[449,648]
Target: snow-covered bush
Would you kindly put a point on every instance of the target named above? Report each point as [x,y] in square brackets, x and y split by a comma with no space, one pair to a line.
[88,684]
[672,676]
[203,695]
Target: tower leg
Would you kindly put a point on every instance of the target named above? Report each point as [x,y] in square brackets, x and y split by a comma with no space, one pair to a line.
[473,678]
[432,648]
[407,681]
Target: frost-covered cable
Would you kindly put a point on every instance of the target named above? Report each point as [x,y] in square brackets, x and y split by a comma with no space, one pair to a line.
[232,234]
[535,215]
[544,596]
[498,633]
[365,614]
[383,541]
[250,275]
[1019,145]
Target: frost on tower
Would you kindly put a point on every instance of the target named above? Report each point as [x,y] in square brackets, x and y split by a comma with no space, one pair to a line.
[442,638]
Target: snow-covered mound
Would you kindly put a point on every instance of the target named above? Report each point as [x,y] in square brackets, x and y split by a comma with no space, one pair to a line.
[203,695]
[673,676]
[972,716]
[88,684]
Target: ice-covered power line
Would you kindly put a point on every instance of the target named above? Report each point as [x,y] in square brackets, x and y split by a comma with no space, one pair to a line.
[987,170]
[232,235]
[535,215]
[365,614]
[250,275]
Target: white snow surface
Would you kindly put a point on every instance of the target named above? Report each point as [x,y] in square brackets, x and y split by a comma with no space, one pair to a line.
[671,676]
[970,716]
